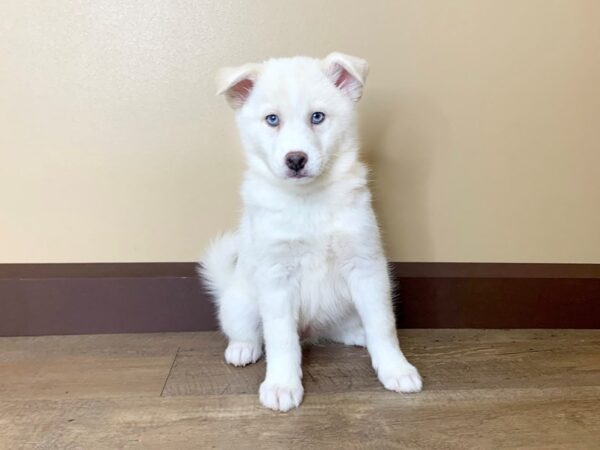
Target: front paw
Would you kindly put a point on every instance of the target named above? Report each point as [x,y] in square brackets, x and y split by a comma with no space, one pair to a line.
[401,378]
[239,353]
[281,396]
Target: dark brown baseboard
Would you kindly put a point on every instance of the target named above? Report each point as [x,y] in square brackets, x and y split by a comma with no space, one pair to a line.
[41,299]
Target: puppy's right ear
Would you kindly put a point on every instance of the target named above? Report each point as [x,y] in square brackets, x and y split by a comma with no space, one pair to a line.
[237,83]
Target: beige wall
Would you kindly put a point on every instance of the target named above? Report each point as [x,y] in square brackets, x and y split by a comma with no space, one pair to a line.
[481,121]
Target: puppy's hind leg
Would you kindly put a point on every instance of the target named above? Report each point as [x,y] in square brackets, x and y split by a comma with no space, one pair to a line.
[240,321]
[348,332]
[237,309]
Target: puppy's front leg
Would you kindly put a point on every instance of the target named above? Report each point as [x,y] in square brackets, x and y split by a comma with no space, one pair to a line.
[370,289]
[282,389]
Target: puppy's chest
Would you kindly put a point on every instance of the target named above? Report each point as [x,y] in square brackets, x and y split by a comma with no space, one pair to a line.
[309,254]
[305,239]
[328,252]
[317,268]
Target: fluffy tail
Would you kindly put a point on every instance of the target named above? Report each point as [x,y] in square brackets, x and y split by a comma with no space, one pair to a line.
[217,264]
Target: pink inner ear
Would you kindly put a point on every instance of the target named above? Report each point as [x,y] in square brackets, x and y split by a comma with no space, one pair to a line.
[345,82]
[239,92]
[343,78]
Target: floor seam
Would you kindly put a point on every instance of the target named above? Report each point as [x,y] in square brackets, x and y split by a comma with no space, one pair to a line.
[169,374]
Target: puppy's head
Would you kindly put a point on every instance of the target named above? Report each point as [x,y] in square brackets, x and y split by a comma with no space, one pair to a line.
[295,115]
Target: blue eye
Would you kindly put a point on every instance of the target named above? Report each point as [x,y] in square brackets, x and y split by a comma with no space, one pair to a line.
[317,118]
[272,120]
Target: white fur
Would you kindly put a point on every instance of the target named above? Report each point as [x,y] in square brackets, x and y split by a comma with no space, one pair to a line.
[307,257]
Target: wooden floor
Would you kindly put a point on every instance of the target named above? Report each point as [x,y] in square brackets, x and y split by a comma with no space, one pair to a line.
[482,389]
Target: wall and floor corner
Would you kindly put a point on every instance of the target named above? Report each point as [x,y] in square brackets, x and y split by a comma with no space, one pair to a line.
[479,122]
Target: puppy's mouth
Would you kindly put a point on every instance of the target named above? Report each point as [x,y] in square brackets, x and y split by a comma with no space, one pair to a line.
[298,174]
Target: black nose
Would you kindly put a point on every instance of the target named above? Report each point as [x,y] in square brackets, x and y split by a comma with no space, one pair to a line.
[296,160]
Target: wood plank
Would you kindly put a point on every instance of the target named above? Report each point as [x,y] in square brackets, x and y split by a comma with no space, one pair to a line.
[483,389]
[34,347]
[84,366]
[567,418]
[447,359]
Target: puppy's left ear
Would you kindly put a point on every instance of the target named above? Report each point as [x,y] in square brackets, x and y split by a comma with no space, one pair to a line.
[348,73]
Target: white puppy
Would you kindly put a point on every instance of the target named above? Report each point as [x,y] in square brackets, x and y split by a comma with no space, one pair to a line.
[307,259]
